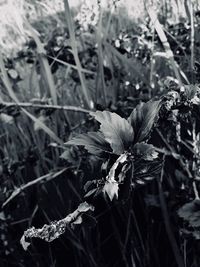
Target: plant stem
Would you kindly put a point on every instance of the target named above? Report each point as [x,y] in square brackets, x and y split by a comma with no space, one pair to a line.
[88,100]
[43,106]
[167,223]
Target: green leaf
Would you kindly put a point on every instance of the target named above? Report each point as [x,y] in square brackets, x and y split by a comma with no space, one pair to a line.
[142,119]
[111,189]
[145,151]
[116,130]
[190,212]
[71,155]
[91,192]
[94,142]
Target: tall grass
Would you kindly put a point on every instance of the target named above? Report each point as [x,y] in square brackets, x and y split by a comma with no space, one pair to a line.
[39,186]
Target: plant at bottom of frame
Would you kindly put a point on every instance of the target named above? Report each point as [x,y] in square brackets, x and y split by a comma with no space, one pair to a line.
[128,160]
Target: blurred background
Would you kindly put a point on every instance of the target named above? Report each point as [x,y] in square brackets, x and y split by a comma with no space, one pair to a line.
[58,60]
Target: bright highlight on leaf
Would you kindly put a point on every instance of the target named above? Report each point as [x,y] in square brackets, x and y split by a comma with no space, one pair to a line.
[111,189]
[111,186]
[116,130]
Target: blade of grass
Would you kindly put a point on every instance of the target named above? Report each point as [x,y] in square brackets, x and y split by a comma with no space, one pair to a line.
[152,65]
[177,254]
[100,56]
[47,177]
[44,63]
[128,63]
[109,21]
[71,66]
[165,43]
[8,86]
[192,40]
[88,99]
[44,106]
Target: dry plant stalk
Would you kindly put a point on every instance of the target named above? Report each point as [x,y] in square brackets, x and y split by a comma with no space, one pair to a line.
[50,232]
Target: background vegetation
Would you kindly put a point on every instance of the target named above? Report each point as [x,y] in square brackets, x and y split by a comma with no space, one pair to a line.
[57,65]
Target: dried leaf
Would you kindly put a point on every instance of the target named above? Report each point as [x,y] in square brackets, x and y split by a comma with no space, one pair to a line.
[79,220]
[24,243]
[111,186]
[52,231]
[84,207]
[116,130]
[111,176]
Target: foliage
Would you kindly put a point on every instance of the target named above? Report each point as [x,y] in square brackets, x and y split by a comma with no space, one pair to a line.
[106,116]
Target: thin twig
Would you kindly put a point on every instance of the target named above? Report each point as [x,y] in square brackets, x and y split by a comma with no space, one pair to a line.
[196,193]
[71,65]
[13,96]
[47,177]
[44,106]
